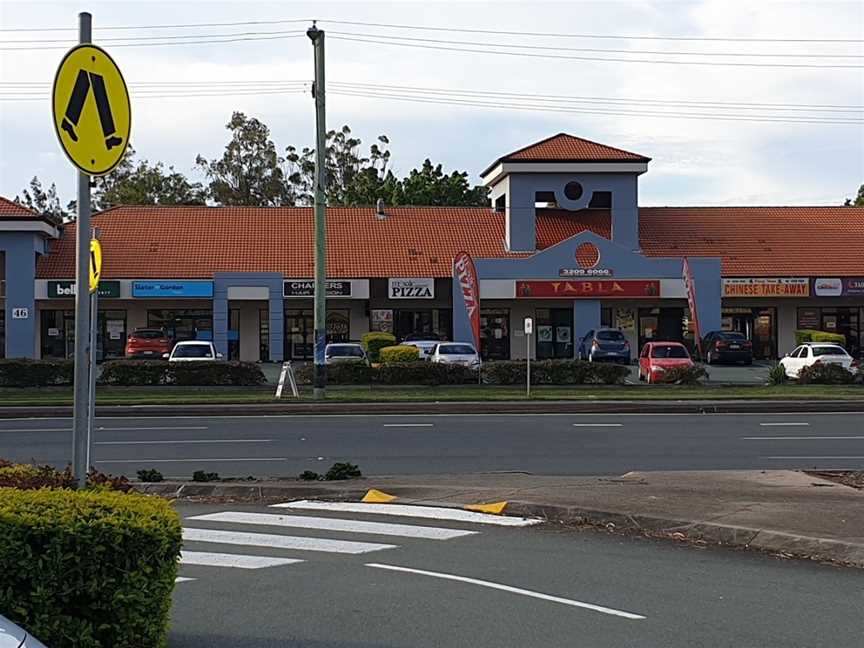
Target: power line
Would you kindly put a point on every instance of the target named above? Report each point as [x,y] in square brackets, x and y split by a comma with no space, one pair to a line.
[198,42]
[169,26]
[558,48]
[594,58]
[173,95]
[162,37]
[541,108]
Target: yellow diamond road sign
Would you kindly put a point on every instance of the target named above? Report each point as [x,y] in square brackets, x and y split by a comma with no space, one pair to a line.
[95,264]
[92,113]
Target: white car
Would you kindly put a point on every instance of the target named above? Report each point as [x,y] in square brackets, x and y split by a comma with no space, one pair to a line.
[343,352]
[13,636]
[456,353]
[193,351]
[816,352]
[427,347]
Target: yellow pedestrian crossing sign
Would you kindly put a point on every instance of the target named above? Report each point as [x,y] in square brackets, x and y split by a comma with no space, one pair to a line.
[92,113]
[95,264]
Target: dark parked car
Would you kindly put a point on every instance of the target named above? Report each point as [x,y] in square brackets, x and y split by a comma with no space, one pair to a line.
[727,346]
[605,345]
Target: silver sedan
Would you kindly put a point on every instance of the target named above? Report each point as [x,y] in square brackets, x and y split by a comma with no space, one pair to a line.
[11,636]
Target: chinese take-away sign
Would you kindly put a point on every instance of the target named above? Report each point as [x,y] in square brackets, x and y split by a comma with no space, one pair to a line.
[92,113]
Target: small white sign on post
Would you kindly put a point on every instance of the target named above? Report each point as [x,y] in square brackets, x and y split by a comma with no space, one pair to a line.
[529,329]
[20,313]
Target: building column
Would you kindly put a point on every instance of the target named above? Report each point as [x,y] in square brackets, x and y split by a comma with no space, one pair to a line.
[20,294]
[220,321]
[586,316]
[277,324]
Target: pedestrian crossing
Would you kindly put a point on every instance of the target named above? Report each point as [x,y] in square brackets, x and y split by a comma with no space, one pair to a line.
[260,538]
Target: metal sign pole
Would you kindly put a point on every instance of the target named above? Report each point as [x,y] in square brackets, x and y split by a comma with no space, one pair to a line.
[94,351]
[320,297]
[528,366]
[82,306]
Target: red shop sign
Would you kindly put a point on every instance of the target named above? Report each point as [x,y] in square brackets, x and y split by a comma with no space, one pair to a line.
[585,289]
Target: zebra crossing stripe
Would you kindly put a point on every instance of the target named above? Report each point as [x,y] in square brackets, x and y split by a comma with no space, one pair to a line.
[407,510]
[332,524]
[282,542]
[183,579]
[240,561]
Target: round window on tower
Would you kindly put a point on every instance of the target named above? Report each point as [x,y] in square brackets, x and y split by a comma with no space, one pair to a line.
[573,190]
[587,256]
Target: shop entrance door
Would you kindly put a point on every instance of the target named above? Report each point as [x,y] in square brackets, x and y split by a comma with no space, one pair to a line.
[299,331]
[554,333]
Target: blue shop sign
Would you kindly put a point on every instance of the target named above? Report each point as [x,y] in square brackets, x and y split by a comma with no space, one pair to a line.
[172,289]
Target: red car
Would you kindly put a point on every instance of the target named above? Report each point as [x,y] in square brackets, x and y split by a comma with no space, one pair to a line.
[657,357]
[147,343]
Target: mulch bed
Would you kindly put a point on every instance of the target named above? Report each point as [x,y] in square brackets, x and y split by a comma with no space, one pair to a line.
[853,478]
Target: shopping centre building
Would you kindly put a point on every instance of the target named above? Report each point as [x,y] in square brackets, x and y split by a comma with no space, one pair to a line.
[563,241]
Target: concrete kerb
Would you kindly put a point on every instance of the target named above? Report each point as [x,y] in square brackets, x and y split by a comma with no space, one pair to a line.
[766,540]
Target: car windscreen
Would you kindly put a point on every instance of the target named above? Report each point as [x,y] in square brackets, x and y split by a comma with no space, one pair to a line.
[612,336]
[193,351]
[148,335]
[345,352]
[828,351]
[669,352]
[731,335]
[456,349]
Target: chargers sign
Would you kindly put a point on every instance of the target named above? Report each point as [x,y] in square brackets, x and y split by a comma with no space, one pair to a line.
[411,288]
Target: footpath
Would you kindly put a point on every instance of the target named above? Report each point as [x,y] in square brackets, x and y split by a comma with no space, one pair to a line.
[782,512]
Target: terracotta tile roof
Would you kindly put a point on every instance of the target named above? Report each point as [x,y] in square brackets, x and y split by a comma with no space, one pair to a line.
[568,148]
[12,210]
[195,242]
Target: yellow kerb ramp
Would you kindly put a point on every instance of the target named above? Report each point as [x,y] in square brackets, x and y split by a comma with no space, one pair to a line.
[374,496]
[496,508]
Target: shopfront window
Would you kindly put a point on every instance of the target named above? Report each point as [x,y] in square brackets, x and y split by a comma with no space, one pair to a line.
[57,334]
[495,333]
[264,335]
[234,334]
[2,332]
[300,331]
[409,324]
[843,321]
[759,325]
[183,325]
[554,335]
[661,325]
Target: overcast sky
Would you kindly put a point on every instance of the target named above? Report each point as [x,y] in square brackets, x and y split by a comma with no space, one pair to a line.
[695,161]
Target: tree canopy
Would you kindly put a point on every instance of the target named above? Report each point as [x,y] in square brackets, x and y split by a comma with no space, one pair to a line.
[859,199]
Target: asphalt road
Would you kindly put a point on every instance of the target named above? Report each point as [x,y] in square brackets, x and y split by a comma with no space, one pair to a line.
[495,588]
[429,444]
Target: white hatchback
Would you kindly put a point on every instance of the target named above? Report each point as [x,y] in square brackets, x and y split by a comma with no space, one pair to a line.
[456,353]
[816,353]
[193,351]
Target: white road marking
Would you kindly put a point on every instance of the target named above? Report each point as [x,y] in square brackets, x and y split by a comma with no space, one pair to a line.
[208,459]
[827,457]
[282,542]
[332,524]
[409,425]
[162,442]
[784,424]
[183,579]
[800,438]
[148,429]
[240,561]
[597,424]
[406,510]
[513,590]
[36,430]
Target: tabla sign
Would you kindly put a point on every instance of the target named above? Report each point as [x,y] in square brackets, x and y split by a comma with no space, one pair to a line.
[411,288]
[607,288]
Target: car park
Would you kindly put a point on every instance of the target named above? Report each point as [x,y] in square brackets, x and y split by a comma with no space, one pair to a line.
[456,353]
[605,345]
[147,343]
[727,346]
[812,353]
[657,358]
[193,351]
[344,352]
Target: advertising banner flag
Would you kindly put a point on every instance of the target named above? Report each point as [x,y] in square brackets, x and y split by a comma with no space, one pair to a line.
[690,286]
[465,275]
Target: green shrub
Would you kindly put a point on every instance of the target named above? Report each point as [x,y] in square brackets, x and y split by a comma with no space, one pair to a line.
[309,475]
[809,335]
[150,475]
[33,477]
[341,471]
[777,375]
[374,341]
[88,569]
[130,372]
[399,353]
[554,372]
[349,372]
[684,375]
[424,373]
[825,374]
[202,476]
[21,372]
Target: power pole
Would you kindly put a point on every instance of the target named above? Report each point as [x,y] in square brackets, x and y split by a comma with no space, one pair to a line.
[320,369]
[81,409]
[94,351]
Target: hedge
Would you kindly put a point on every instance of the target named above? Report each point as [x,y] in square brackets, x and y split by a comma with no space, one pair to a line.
[374,341]
[349,372]
[33,477]
[685,375]
[88,569]
[808,335]
[555,372]
[825,374]
[128,372]
[21,372]
[399,353]
[422,372]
